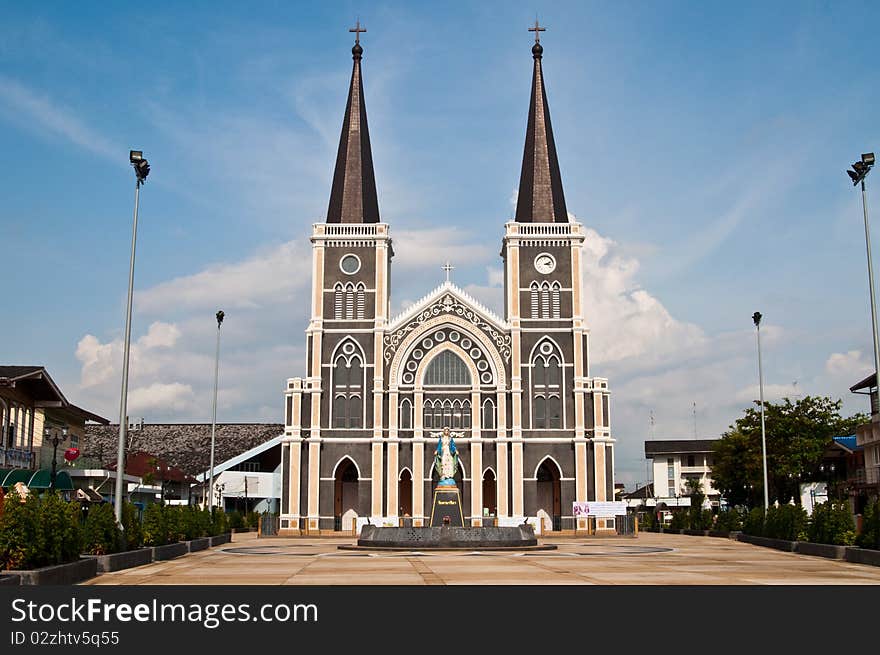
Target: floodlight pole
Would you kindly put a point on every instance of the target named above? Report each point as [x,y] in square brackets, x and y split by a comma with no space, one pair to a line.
[123,401]
[210,492]
[757,319]
[871,282]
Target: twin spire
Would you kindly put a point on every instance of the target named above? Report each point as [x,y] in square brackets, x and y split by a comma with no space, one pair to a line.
[353,197]
[353,194]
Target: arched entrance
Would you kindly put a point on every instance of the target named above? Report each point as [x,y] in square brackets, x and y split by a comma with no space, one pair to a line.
[345,494]
[489,493]
[550,491]
[404,493]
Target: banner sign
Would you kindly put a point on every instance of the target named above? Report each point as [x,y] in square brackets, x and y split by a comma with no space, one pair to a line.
[599,508]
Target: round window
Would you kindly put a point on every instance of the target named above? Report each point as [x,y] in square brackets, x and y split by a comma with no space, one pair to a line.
[350,264]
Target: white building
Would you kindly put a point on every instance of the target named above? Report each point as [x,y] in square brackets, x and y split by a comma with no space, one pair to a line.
[250,481]
[676,461]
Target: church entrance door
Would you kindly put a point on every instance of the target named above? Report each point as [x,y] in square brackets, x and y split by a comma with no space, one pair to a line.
[345,491]
[550,492]
[404,493]
[489,493]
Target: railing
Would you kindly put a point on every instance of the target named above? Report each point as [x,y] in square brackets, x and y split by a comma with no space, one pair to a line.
[17,457]
[354,229]
[544,228]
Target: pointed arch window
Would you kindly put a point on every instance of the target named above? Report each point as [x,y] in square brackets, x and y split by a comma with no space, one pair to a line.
[534,300]
[447,369]
[546,382]
[446,413]
[359,301]
[545,299]
[349,301]
[348,387]
[405,420]
[338,295]
[488,415]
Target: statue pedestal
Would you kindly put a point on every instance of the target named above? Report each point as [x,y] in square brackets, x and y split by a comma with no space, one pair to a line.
[447,503]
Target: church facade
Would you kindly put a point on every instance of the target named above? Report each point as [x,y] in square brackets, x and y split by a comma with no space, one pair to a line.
[361,425]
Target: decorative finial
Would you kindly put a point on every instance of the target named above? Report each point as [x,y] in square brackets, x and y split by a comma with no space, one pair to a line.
[537,49]
[447,268]
[357,50]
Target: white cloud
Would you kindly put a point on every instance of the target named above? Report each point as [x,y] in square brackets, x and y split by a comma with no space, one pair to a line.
[772,393]
[271,277]
[101,360]
[625,320]
[851,366]
[160,397]
[41,113]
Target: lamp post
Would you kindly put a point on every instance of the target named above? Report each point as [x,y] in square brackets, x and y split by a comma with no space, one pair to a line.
[55,442]
[141,170]
[756,317]
[219,316]
[859,171]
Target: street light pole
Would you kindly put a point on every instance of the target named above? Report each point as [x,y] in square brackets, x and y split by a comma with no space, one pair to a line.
[219,316]
[141,169]
[860,170]
[55,441]
[756,317]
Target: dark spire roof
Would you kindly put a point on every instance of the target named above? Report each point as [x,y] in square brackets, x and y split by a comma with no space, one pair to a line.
[541,199]
[353,194]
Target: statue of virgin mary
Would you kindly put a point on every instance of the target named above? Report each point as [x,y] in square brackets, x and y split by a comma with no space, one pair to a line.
[446,459]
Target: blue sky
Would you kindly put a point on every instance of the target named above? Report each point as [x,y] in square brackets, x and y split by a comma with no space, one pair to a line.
[704,146]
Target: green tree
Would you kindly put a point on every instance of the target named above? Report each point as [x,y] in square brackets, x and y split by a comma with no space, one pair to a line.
[797,435]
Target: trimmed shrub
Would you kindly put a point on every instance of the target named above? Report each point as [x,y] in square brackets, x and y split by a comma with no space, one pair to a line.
[680,520]
[155,528]
[788,522]
[753,524]
[236,521]
[870,536]
[132,532]
[832,523]
[175,522]
[219,522]
[19,532]
[39,532]
[101,536]
[194,522]
[60,534]
[252,519]
[729,521]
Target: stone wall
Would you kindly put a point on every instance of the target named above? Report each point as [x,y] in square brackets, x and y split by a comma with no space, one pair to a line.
[184,445]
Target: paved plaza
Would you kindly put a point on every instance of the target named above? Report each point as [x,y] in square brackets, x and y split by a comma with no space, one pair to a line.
[649,559]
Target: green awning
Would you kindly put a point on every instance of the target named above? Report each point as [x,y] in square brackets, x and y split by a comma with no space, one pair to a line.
[17,475]
[42,479]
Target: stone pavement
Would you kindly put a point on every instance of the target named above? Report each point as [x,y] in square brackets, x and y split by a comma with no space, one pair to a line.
[650,559]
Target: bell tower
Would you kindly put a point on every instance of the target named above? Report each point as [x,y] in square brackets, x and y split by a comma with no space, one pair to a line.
[552,393]
[341,398]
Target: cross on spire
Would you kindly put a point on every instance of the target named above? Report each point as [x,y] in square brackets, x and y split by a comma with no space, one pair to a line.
[358,30]
[537,29]
[447,268]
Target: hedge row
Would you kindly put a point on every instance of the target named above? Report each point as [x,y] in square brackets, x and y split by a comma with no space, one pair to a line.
[37,532]
[166,524]
[870,535]
[831,523]
[49,530]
